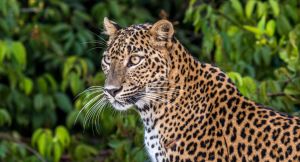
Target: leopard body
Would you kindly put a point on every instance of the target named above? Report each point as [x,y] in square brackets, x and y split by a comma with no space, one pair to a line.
[194,105]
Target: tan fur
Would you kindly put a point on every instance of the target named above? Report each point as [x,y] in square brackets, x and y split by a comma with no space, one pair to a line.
[194,105]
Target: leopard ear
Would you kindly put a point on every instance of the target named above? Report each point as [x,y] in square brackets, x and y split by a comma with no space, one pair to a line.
[162,32]
[110,28]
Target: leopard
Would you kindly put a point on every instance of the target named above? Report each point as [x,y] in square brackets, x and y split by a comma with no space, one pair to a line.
[191,110]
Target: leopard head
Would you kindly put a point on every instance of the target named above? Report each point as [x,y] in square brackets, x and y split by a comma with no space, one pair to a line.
[136,57]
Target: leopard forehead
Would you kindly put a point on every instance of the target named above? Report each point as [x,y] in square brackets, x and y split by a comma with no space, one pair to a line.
[132,39]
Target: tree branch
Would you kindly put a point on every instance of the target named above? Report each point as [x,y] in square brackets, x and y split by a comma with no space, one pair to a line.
[101,152]
[229,19]
[292,82]
[180,12]
[276,94]
[5,136]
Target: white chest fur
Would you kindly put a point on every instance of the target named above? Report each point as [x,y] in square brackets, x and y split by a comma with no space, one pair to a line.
[153,145]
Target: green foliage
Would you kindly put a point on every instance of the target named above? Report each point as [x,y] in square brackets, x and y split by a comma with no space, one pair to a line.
[4,117]
[50,51]
[258,50]
[49,146]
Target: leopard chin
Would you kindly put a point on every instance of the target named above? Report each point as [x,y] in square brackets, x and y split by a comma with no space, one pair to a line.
[122,106]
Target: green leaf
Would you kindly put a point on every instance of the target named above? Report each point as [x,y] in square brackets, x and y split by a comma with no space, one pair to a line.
[138,138]
[261,8]
[49,102]
[283,70]
[84,66]
[69,43]
[249,8]
[74,82]
[83,16]
[270,30]
[49,139]
[236,77]
[82,150]
[79,151]
[4,117]
[51,80]
[63,136]
[253,29]
[236,4]
[250,85]
[64,84]
[2,50]
[139,156]
[60,27]
[71,118]
[57,151]
[35,136]
[292,12]
[261,24]
[197,16]
[64,7]
[291,90]
[293,38]
[275,7]
[38,102]
[14,8]
[12,77]
[63,102]
[42,85]
[42,144]
[263,90]
[3,7]
[188,14]
[28,85]
[283,25]
[19,52]
[272,86]
[114,8]
[266,55]
[114,144]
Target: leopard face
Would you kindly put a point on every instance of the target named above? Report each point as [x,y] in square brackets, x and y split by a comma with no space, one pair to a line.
[136,58]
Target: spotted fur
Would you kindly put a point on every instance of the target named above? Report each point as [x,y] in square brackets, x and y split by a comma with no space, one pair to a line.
[194,111]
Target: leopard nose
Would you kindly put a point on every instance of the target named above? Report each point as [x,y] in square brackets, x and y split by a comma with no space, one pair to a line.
[113,92]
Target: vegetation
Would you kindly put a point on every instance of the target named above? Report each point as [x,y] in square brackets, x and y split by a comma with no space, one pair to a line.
[50,51]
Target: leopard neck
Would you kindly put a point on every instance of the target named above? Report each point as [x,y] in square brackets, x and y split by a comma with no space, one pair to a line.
[189,82]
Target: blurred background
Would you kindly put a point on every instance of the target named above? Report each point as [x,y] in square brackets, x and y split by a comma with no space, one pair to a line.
[51,50]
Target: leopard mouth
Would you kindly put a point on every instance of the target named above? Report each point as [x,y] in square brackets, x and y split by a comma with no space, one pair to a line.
[126,101]
[121,105]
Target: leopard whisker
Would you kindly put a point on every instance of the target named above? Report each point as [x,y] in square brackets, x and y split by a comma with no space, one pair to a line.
[98,36]
[165,100]
[91,94]
[87,104]
[169,88]
[169,93]
[93,48]
[98,114]
[88,89]
[89,113]
[95,42]
[157,97]
[168,81]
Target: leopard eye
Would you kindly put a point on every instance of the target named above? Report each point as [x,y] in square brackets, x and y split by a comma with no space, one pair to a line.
[134,60]
[107,59]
